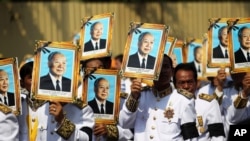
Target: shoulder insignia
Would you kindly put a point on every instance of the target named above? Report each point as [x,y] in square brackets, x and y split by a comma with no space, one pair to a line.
[66,129]
[185,93]
[124,95]
[206,97]
[79,103]
[5,109]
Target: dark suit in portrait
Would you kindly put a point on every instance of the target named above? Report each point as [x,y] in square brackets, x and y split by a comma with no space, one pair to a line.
[47,84]
[108,108]
[217,52]
[134,61]
[11,99]
[239,56]
[193,64]
[88,46]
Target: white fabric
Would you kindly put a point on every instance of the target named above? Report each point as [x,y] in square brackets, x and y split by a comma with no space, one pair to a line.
[47,125]
[8,127]
[149,121]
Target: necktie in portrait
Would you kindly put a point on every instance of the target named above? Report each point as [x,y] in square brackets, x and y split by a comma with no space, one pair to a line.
[102,109]
[57,85]
[226,55]
[143,63]
[96,46]
[5,101]
[248,57]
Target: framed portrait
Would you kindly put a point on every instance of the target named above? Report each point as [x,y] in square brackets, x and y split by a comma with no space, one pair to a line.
[56,71]
[239,34]
[218,47]
[169,44]
[194,54]
[95,36]
[212,71]
[102,95]
[10,86]
[177,53]
[144,50]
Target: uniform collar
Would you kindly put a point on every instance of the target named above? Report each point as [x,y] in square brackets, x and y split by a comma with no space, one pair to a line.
[163,93]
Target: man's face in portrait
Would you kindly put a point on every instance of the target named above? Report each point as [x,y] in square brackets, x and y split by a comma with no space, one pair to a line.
[224,37]
[174,59]
[102,90]
[198,55]
[96,32]
[146,44]
[58,65]
[245,39]
[4,82]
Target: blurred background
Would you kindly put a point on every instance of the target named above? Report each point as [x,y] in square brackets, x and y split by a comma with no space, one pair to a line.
[24,22]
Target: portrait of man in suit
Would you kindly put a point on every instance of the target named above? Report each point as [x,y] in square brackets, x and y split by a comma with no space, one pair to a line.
[197,63]
[221,51]
[142,59]
[243,53]
[6,97]
[55,80]
[95,43]
[100,104]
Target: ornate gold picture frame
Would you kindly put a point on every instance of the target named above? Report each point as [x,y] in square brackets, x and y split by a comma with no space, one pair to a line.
[144,50]
[96,35]
[169,45]
[195,54]
[218,43]
[177,52]
[239,35]
[103,88]
[10,100]
[56,71]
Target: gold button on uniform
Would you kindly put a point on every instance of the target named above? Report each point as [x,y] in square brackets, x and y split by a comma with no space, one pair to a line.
[152,127]
[151,137]
[154,118]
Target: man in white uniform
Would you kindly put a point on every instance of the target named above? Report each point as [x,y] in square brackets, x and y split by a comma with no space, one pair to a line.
[209,121]
[160,113]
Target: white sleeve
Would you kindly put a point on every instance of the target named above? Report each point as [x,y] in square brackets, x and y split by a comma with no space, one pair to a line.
[124,134]
[127,118]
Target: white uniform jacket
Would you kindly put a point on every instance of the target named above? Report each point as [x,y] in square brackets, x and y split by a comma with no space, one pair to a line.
[44,126]
[8,127]
[149,121]
[235,115]
[209,121]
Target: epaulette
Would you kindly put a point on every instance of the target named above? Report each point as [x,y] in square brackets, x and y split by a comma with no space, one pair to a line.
[240,103]
[206,97]
[112,132]
[35,103]
[79,103]
[5,109]
[124,95]
[185,93]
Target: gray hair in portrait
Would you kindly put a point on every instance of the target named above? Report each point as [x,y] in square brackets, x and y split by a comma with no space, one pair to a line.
[142,35]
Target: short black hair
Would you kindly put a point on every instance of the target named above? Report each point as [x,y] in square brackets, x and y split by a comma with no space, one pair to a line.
[119,57]
[26,69]
[170,60]
[186,67]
